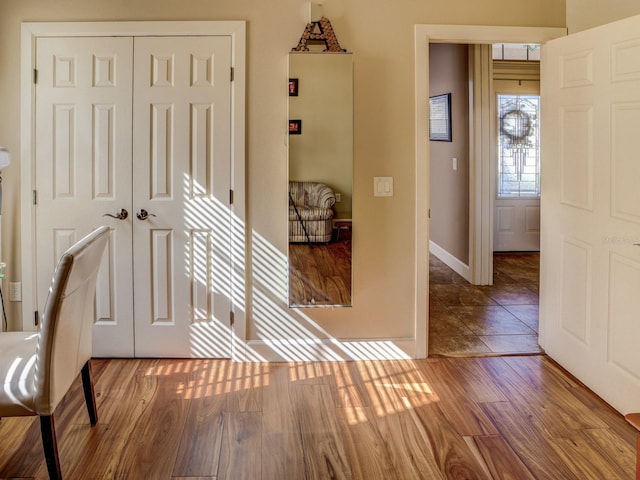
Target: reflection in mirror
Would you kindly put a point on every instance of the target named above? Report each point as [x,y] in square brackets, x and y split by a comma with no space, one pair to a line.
[320,178]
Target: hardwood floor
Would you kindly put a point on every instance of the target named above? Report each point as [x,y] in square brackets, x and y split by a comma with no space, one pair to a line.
[320,274]
[454,418]
[466,319]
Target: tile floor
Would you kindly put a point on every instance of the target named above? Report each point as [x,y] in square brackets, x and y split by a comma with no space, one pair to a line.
[466,320]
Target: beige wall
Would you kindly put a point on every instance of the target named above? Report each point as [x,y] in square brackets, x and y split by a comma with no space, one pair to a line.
[583,14]
[381,36]
[449,188]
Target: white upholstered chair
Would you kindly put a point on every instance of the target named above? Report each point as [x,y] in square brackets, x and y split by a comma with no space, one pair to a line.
[37,369]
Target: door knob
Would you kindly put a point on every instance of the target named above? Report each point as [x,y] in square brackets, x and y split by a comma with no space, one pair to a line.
[143,214]
[121,215]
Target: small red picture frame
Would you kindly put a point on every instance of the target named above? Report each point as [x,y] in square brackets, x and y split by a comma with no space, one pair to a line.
[293,87]
[295,127]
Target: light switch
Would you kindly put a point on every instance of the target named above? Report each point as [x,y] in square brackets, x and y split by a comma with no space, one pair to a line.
[383,186]
[15,291]
[455,163]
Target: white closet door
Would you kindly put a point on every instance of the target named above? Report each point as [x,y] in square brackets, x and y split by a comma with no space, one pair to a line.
[182,178]
[83,170]
[150,133]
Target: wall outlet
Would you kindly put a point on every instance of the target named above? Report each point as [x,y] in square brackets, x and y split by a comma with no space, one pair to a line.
[15,291]
[338,197]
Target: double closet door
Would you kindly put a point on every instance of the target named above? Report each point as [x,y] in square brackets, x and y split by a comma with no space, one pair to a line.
[135,133]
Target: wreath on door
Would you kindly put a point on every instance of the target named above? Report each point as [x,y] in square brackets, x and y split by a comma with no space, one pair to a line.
[516,125]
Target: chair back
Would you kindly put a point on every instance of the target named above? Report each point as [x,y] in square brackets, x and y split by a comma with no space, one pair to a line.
[311,194]
[65,339]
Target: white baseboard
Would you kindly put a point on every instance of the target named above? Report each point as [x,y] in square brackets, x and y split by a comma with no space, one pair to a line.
[325,350]
[452,262]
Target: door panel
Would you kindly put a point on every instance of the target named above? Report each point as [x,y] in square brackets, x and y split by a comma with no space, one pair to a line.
[517,225]
[590,263]
[83,170]
[182,177]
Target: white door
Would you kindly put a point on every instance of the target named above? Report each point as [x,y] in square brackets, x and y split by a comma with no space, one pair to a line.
[182,178]
[165,280]
[590,258]
[83,170]
[517,201]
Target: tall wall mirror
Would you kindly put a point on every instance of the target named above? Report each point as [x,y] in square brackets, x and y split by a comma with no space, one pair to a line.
[320,178]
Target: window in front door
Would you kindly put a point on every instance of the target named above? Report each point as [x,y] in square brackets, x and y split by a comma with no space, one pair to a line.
[518,146]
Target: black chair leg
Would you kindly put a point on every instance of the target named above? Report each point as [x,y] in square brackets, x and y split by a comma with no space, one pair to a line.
[50,445]
[89,394]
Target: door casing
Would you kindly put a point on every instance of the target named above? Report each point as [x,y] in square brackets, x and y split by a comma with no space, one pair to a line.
[237,31]
[481,204]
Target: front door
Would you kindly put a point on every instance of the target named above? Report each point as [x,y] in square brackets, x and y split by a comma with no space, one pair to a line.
[517,201]
[590,258]
[142,126]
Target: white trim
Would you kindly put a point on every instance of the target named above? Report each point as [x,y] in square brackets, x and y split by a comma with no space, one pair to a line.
[452,262]
[481,165]
[27,180]
[233,28]
[237,31]
[329,350]
[421,269]
[447,34]
[473,34]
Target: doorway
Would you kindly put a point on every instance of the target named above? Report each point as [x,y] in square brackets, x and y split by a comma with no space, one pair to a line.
[516,92]
[481,181]
[467,319]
